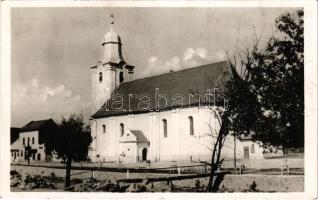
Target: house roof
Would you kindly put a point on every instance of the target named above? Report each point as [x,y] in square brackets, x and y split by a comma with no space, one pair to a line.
[35,125]
[154,89]
[14,134]
[140,137]
[244,138]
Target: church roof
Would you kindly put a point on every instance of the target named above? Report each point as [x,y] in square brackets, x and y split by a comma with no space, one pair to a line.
[140,137]
[183,83]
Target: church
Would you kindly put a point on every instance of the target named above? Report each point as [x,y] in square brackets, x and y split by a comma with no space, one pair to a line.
[157,118]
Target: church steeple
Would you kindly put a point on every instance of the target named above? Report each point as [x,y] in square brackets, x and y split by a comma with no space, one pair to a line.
[111,69]
[111,53]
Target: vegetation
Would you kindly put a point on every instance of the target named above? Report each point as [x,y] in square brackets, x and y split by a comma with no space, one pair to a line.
[70,143]
[266,101]
[272,107]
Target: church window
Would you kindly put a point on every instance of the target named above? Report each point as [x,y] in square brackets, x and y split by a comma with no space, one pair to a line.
[23,141]
[32,140]
[252,148]
[121,77]
[100,77]
[164,126]
[191,125]
[122,129]
[104,128]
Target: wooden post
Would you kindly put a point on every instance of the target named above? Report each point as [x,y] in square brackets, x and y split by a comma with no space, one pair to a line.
[287,170]
[127,174]
[282,170]
[179,171]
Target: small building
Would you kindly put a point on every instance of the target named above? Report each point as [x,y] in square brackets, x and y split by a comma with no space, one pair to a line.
[32,138]
[248,149]
[136,144]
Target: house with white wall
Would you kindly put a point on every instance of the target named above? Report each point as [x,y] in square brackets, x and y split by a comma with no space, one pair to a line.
[32,139]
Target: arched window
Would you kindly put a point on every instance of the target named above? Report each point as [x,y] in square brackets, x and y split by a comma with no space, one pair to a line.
[164,127]
[121,77]
[122,129]
[104,128]
[191,129]
[252,148]
[100,77]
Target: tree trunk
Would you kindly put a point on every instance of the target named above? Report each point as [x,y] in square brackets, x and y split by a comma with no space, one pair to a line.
[209,186]
[68,172]
[285,157]
[214,163]
[215,185]
[235,154]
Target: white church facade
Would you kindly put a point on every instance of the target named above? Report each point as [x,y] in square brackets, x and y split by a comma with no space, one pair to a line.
[157,118]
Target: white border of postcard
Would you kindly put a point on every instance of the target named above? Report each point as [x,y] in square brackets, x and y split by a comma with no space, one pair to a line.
[310,11]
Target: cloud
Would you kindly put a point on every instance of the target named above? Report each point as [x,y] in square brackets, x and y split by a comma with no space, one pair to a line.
[157,66]
[191,54]
[34,92]
[192,57]
[36,101]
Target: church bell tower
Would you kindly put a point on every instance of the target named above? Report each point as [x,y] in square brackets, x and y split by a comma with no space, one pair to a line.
[111,69]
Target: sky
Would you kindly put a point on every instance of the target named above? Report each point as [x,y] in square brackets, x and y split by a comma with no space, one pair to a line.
[52,49]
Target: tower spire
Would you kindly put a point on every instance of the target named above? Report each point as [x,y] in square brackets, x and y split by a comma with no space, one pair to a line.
[111,45]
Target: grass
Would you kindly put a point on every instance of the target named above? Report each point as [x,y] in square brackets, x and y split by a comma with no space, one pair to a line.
[232,183]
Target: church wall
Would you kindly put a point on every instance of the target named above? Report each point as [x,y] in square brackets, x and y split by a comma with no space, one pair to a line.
[130,152]
[178,145]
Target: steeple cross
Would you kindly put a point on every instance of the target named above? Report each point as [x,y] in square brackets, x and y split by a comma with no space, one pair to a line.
[111,18]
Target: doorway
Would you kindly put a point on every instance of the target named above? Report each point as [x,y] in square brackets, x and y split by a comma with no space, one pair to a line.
[246,152]
[144,154]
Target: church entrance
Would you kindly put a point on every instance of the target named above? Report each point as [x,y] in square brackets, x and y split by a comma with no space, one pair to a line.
[144,154]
